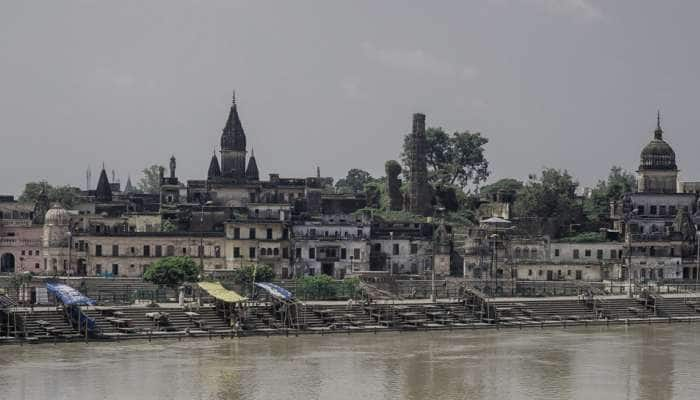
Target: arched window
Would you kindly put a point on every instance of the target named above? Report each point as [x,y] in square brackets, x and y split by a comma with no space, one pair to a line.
[263,251]
[526,253]
[517,252]
[533,253]
[277,251]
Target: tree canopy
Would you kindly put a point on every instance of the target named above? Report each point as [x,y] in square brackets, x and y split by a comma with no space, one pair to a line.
[453,160]
[354,182]
[66,195]
[150,181]
[597,205]
[172,271]
[251,272]
[551,197]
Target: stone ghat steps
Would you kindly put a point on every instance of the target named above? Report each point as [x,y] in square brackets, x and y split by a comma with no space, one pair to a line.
[45,324]
[678,307]
[139,322]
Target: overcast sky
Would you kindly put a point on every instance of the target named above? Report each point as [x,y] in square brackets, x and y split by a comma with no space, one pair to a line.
[571,84]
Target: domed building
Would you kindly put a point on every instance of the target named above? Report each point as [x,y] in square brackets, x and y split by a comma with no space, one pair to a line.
[658,172]
[56,240]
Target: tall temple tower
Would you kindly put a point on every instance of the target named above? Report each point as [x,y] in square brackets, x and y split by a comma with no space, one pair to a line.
[419,194]
[233,145]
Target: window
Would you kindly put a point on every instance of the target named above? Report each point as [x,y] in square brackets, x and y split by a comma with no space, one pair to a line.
[672,210]
[414,248]
[98,269]
[599,254]
[285,252]
[251,233]
[98,250]
[236,233]
[184,251]
[217,251]
[170,250]
[23,252]
[115,269]
[576,254]
[529,272]
[36,265]
[662,210]
[269,233]
[263,252]
[312,253]
[579,275]
[568,272]
[588,252]
[652,210]
[159,250]
[298,252]
[343,253]
[356,254]
[251,252]
[613,254]
[539,272]
[276,251]
[533,253]
[640,210]
[236,252]
[517,252]
[146,251]
[285,234]
[556,252]
[132,250]
[395,249]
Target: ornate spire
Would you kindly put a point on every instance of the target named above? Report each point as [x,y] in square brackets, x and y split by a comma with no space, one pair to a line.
[103,193]
[252,172]
[658,133]
[128,188]
[214,169]
[233,136]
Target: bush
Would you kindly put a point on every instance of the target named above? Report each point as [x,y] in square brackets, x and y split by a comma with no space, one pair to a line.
[324,287]
[262,272]
[172,271]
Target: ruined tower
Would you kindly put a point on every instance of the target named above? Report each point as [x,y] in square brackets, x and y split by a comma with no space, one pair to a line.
[419,193]
[233,145]
[393,184]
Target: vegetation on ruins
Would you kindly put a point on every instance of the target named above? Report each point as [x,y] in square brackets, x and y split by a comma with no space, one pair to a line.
[150,181]
[66,195]
[324,287]
[597,205]
[456,160]
[172,271]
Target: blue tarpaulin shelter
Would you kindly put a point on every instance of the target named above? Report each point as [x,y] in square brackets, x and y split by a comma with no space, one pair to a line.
[69,296]
[275,291]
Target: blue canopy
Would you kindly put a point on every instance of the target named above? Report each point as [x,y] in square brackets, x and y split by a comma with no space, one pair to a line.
[276,291]
[68,296]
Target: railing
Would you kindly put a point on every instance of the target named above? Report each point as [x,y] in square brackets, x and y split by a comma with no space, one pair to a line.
[16,222]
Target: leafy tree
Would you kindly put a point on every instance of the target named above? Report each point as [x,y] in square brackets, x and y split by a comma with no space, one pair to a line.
[66,195]
[168,226]
[172,271]
[507,186]
[597,206]
[249,273]
[549,198]
[354,182]
[150,181]
[454,160]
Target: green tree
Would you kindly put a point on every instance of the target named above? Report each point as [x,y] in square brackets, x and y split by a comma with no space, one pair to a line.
[150,181]
[354,182]
[453,160]
[66,195]
[172,271]
[507,186]
[597,205]
[247,274]
[549,198]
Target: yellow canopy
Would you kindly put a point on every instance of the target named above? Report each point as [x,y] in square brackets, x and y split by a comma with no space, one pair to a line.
[221,293]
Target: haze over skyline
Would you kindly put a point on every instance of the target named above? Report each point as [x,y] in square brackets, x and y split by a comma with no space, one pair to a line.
[570,84]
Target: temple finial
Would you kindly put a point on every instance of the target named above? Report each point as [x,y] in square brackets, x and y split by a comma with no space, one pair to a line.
[658,119]
[252,151]
[234,97]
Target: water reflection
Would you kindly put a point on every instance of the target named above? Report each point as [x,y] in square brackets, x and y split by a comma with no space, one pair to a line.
[647,362]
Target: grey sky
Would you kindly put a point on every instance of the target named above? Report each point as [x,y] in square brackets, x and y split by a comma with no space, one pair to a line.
[571,83]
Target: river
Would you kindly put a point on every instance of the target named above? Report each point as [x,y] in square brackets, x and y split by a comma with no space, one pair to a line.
[639,362]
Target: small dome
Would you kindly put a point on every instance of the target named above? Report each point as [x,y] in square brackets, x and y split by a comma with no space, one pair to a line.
[57,215]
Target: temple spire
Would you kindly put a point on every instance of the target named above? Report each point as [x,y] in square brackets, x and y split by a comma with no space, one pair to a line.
[658,133]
